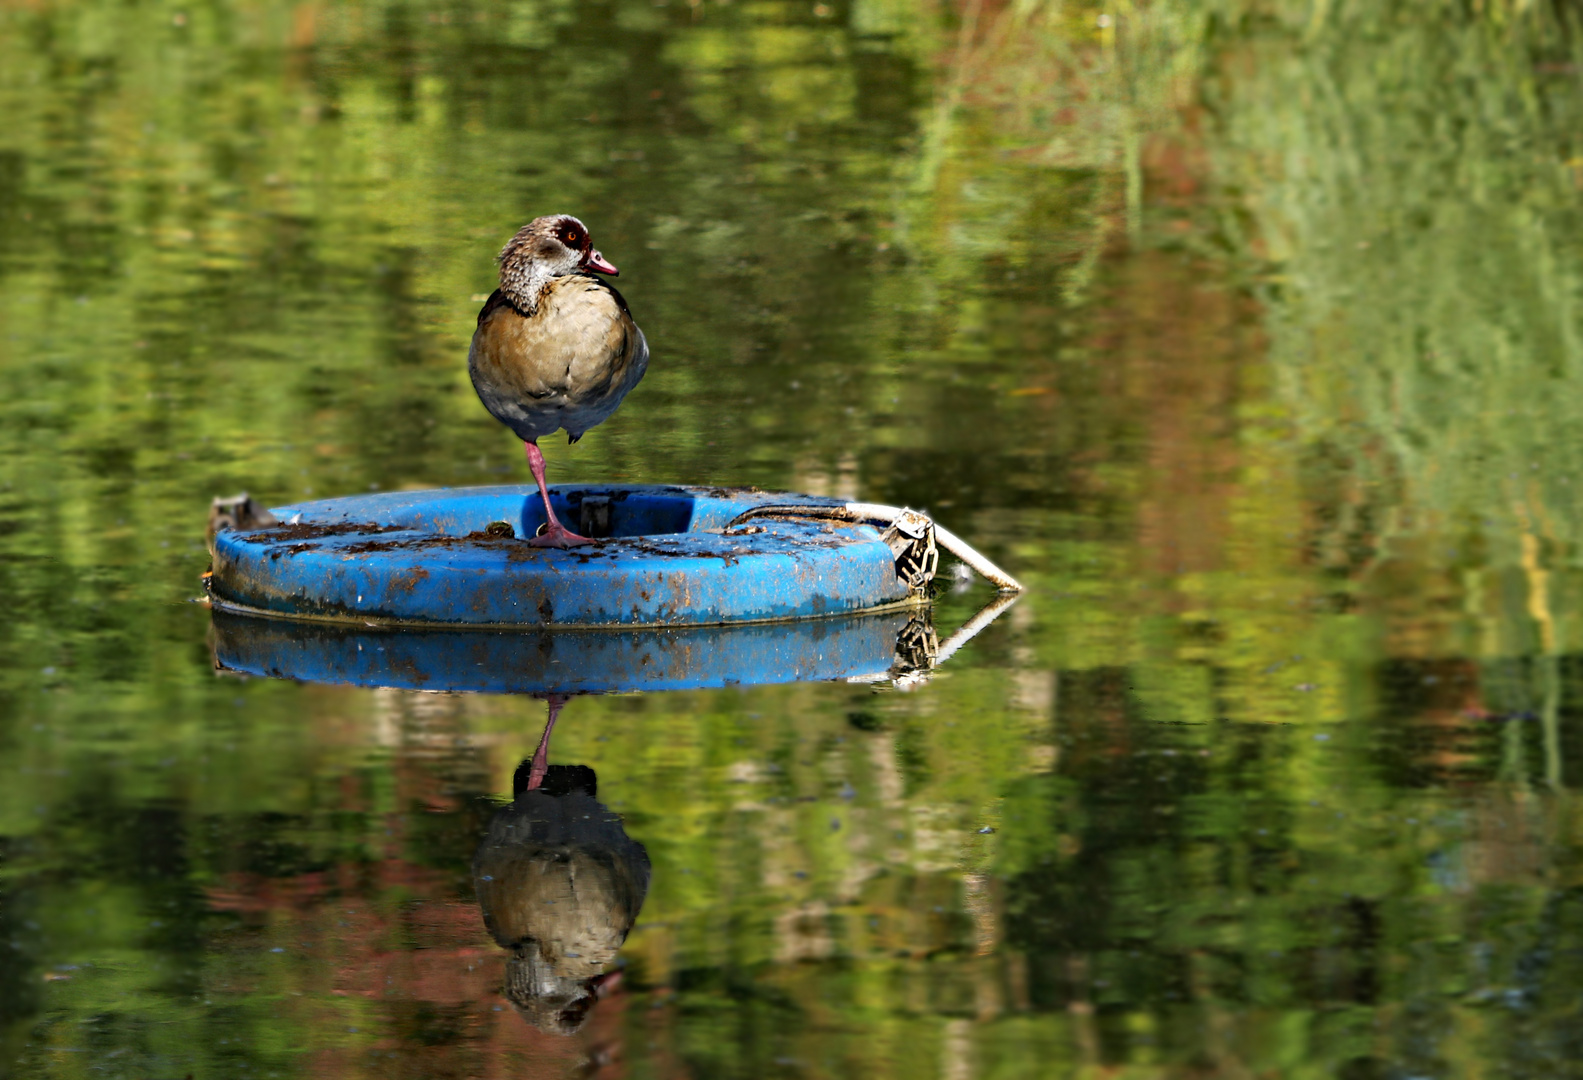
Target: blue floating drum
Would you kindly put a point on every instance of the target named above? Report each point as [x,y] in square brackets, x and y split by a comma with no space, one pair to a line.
[664,556]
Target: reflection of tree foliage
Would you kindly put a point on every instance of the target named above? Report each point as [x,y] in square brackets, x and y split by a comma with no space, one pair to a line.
[1421,270]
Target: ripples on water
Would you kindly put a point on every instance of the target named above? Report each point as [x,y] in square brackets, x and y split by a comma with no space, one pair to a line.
[1256,359]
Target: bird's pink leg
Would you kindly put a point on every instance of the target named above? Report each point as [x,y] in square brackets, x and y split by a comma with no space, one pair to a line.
[555,534]
[541,757]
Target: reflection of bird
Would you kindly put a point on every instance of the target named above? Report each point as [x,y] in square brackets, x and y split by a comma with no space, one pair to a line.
[560,884]
[555,346]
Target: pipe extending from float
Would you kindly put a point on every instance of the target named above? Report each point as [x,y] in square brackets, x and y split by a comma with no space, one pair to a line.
[946,539]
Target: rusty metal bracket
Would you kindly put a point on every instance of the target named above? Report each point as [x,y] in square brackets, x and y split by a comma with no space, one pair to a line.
[911,541]
[238,512]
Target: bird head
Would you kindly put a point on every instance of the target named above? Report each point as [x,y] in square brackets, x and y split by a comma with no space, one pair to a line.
[544,249]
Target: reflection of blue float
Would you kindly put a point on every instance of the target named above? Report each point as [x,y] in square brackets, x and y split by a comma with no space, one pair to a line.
[867,647]
[672,556]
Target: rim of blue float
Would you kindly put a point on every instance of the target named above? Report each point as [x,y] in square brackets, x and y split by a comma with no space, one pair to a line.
[390,624]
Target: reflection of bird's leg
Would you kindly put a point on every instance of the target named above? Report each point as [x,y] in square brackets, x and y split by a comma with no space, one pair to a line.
[606,984]
[541,756]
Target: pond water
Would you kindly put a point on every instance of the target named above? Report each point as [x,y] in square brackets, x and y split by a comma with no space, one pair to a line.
[1246,339]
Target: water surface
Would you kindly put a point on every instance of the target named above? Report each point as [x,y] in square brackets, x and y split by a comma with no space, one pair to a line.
[1255,360]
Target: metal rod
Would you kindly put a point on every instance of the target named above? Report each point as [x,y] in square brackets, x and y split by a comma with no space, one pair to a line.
[946,539]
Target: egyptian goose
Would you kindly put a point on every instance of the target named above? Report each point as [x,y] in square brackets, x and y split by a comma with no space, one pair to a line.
[555,346]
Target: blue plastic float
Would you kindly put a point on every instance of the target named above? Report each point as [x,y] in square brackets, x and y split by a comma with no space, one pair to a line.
[668,557]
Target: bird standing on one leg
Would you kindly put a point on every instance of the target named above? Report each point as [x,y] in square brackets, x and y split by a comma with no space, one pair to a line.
[555,346]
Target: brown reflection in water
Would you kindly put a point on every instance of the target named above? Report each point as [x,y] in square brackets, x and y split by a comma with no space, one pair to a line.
[1179,345]
[560,884]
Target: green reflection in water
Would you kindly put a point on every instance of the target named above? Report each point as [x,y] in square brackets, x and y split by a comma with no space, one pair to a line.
[1277,753]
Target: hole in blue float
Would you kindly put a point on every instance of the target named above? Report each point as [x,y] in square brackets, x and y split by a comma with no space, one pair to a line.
[612,512]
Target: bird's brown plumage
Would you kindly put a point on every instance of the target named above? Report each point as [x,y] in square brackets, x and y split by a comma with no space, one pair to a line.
[567,365]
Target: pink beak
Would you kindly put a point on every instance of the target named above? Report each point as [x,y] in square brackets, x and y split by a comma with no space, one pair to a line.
[596,262]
